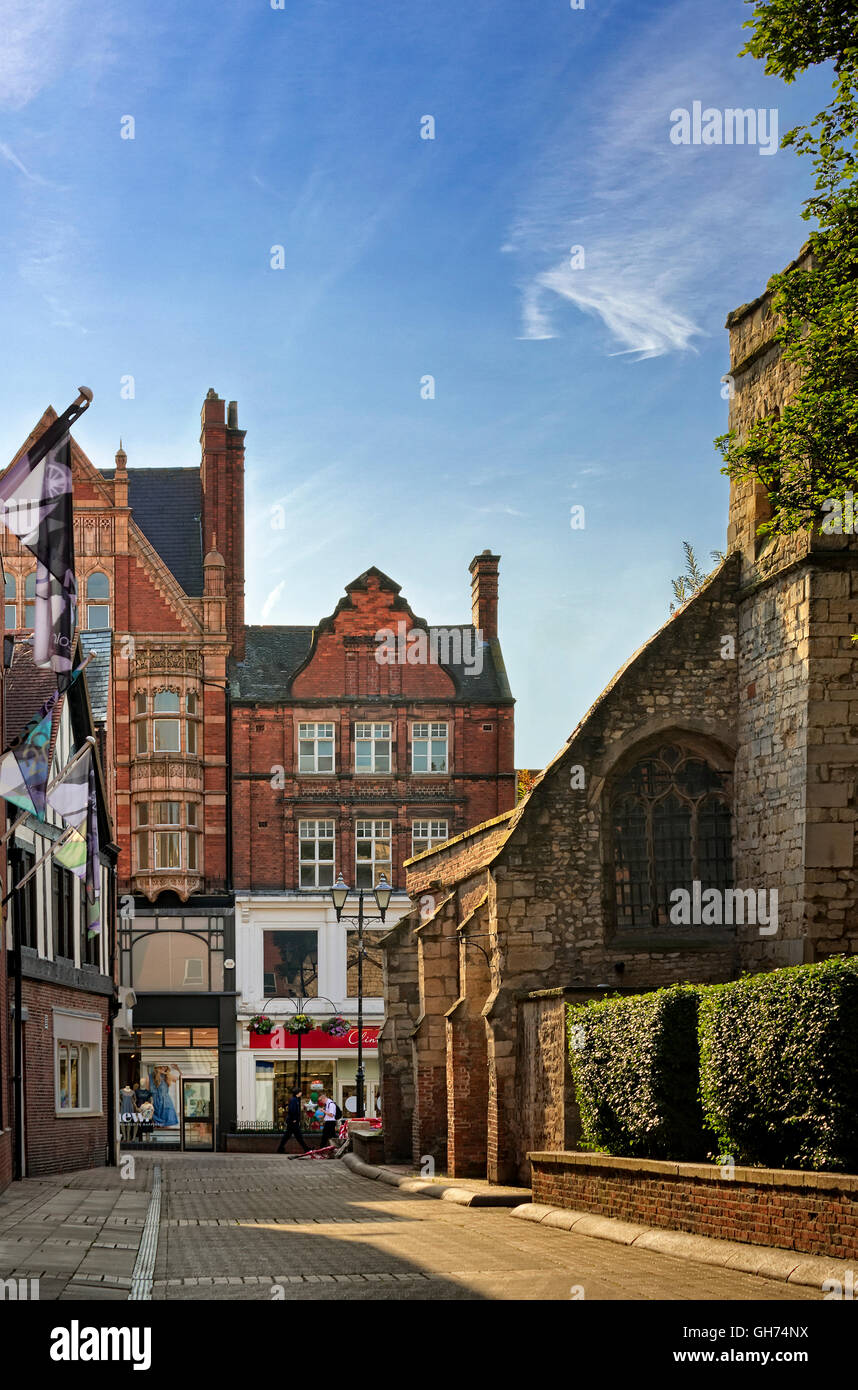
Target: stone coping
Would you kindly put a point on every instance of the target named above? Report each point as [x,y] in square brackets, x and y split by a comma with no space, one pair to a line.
[445,1189]
[767,1262]
[706,1172]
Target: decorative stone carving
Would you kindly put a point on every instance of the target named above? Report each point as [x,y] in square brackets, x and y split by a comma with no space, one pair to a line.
[151,884]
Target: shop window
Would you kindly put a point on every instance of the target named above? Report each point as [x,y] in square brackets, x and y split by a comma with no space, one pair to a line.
[671,826]
[97,601]
[290,963]
[316,853]
[372,852]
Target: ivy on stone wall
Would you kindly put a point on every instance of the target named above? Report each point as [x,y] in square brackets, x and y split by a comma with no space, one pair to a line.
[806,455]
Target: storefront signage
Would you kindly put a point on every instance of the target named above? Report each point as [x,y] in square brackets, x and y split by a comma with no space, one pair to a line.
[278,1039]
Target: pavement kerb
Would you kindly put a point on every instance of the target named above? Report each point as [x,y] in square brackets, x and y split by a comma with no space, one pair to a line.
[788,1266]
[445,1192]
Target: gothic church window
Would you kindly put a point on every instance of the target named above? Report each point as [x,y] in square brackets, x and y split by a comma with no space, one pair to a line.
[670,825]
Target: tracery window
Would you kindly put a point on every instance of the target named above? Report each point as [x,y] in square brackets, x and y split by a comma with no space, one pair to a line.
[670,823]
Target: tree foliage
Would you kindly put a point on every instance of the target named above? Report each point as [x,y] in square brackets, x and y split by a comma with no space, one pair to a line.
[807,453]
[686,585]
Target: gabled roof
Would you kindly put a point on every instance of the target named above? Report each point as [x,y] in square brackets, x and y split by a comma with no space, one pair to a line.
[167,505]
[274,656]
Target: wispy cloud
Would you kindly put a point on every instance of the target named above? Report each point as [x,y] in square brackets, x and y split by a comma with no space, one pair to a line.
[11,158]
[654,220]
[273,598]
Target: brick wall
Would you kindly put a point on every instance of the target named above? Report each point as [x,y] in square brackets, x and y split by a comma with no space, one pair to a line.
[59,1144]
[814,1213]
[342,683]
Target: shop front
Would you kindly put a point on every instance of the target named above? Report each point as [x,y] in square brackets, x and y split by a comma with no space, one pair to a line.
[272,1067]
[168,1083]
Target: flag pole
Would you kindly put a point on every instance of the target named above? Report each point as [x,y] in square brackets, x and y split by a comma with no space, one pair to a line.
[69,831]
[54,433]
[88,742]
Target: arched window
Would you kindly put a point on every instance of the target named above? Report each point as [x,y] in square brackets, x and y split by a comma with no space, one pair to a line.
[11,594]
[30,597]
[670,826]
[97,600]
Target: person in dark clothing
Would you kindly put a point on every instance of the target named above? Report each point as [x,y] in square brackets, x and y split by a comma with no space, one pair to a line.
[293,1123]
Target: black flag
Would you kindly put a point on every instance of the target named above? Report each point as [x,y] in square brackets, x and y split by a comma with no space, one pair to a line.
[36,505]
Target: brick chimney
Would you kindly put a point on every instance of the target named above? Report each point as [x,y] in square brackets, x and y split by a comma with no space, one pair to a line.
[484,593]
[222,479]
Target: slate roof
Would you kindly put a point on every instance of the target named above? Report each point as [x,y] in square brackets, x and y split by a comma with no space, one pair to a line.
[25,690]
[274,655]
[166,504]
[98,671]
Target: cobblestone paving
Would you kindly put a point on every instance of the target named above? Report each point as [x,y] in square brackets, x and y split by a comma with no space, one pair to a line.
[260,1227]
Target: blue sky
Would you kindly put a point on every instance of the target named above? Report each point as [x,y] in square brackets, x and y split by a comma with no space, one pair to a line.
[404,257]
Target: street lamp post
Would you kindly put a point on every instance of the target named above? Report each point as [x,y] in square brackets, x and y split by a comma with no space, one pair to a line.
[339,894]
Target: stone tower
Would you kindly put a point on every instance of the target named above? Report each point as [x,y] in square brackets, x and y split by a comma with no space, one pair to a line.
[797,698]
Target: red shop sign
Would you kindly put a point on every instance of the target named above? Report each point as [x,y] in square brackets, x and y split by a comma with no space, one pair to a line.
[278,1039]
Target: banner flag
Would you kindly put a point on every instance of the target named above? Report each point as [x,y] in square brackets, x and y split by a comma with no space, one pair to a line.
[36,506]
[70,797]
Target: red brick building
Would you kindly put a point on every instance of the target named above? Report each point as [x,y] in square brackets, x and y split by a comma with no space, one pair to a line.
[356,744]
[160,571]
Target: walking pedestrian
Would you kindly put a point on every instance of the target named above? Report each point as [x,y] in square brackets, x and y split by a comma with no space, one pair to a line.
[332,1114]
[293,1123]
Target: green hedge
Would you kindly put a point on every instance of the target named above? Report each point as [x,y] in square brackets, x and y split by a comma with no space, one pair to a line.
[636,1066]
[779,1066]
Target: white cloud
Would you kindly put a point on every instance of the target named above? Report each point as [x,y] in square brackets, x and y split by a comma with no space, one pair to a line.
[658,223]
[272,599]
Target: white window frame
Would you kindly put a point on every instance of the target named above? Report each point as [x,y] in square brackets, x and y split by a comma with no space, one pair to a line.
[323,832]
[375,735]
[377,865]
[81,1034]
[430,832]
[428,733]
[156,838]
[315,734]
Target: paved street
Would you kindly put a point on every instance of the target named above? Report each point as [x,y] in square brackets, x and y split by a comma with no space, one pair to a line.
[260,1227]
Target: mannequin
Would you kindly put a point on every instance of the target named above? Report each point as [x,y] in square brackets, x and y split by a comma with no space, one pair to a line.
[129,1123]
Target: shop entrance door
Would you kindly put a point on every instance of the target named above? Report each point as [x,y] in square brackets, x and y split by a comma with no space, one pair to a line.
[198,1113]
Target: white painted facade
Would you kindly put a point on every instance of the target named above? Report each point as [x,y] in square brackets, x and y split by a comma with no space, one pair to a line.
[257,913]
